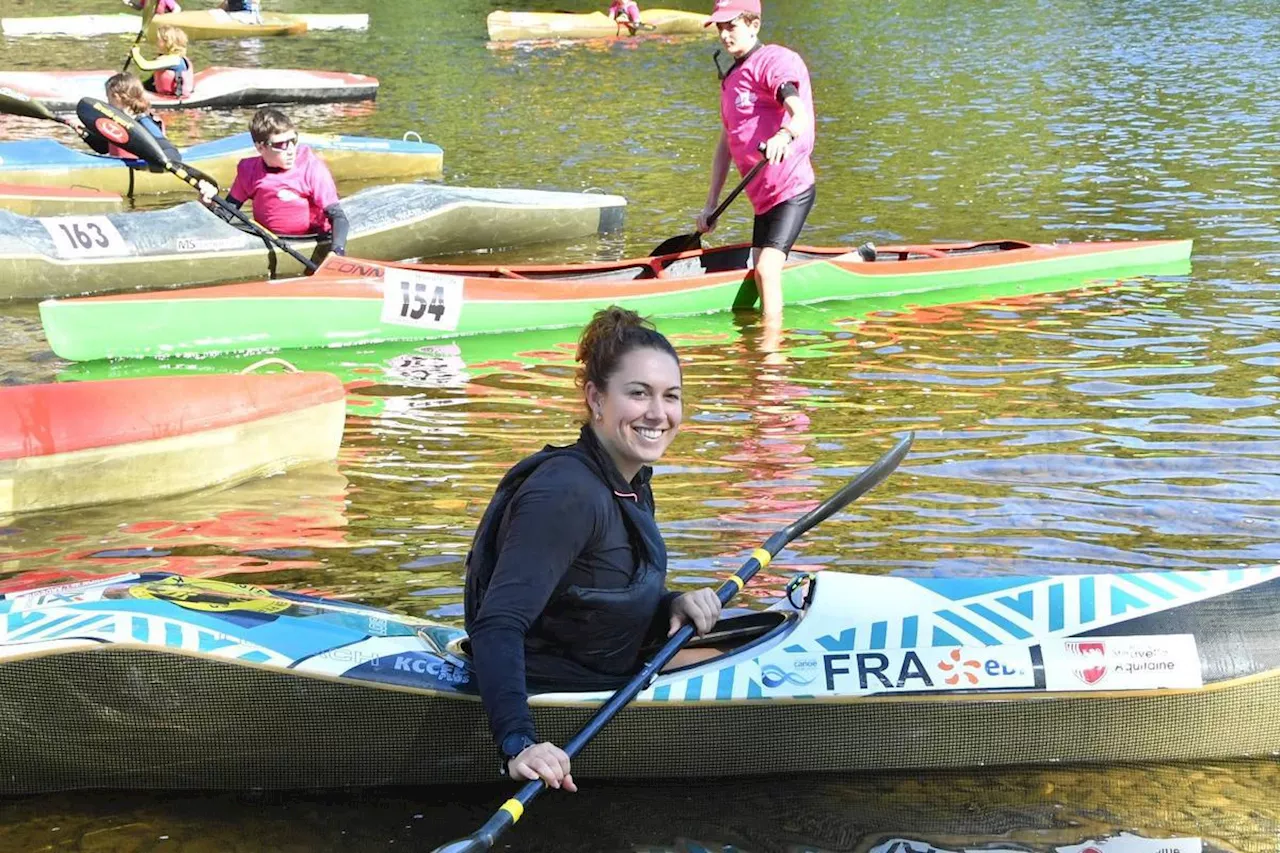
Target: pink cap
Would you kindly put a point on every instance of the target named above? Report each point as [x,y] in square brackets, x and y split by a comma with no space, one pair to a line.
[727,10]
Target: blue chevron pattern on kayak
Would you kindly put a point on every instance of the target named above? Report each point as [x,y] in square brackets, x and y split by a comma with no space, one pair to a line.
[1007,612]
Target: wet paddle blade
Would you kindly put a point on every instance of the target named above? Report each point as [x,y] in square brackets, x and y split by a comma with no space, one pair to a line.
[684,242]
[115,126]
[678,243]
[17,104]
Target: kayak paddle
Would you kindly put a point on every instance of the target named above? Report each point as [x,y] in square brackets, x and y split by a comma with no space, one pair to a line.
[685,242]
[510,811]
[138,141]
[148,12]
[17,104]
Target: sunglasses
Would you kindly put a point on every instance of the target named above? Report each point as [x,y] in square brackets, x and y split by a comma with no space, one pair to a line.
[283,144]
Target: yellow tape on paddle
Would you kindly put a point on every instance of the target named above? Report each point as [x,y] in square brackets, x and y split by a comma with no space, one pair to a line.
[762,557]
[736,581]
[514,808]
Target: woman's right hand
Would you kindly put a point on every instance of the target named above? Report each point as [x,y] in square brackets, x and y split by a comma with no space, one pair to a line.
[544,761]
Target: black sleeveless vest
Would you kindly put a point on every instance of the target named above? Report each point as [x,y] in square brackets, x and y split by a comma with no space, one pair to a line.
[600,629]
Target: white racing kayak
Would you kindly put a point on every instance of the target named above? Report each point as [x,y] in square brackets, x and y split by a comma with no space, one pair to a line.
[207,684]
[60,91]
[123,23]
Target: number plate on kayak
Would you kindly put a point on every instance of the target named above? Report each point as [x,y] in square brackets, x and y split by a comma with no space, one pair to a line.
[423,300]
[84,236]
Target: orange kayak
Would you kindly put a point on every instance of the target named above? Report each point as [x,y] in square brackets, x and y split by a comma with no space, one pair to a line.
[83,443]
[54,201]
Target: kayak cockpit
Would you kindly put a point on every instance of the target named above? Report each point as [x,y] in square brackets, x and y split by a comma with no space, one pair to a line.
[733,635]
[714,261]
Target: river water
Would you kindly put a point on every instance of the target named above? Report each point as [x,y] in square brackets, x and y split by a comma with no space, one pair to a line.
[1125,425]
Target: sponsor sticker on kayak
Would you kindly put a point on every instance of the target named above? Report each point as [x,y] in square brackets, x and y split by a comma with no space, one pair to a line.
[1122,843]
[858,673]
[427,301]
[61,595]
[1122,663]
[84,236]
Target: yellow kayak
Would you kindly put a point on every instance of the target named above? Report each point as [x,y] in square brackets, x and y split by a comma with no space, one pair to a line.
[207,24]
[518,26]
[46,162]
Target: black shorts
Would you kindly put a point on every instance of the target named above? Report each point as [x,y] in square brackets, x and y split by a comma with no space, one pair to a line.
[780,225]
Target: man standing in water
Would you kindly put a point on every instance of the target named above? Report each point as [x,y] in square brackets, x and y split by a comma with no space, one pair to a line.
[765,97]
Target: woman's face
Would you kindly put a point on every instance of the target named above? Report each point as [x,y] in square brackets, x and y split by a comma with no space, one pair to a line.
[636,416]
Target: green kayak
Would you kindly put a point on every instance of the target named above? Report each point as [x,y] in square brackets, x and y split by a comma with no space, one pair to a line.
[353,301]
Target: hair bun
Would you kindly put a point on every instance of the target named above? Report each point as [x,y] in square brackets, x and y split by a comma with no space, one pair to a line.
[612,333]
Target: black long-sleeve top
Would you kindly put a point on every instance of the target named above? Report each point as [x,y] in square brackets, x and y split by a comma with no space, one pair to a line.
[563,527]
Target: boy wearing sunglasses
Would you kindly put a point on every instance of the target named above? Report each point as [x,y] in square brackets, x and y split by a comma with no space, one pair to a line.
[292,191]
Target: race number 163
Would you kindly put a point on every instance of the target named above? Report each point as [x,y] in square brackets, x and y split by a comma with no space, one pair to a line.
[84,236]
[423,300]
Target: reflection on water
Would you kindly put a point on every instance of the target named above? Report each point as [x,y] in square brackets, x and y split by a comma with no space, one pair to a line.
[1104,426]
[1137,809]
[257,529]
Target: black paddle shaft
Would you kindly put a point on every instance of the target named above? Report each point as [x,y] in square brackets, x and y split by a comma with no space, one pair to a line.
[685,242]
[124,131]
[147,6]
[17,104]
[511,811]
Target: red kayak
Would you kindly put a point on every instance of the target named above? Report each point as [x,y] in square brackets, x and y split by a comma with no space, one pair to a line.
[94,442]
[218,86]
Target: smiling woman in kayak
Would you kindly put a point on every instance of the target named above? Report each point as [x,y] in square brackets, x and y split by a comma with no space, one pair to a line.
[566,575]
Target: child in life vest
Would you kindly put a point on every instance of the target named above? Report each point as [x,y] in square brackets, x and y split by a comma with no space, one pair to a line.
[172,73]
[245,11]
[163,7]
[627,9]
[125,93]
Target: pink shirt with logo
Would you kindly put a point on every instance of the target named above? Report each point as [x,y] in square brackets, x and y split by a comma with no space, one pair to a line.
[291,202]
[751,113]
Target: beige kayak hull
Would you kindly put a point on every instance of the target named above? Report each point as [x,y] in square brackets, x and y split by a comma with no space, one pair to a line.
[518,26]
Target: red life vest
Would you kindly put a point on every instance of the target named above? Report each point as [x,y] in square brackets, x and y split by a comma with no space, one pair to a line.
[177,82]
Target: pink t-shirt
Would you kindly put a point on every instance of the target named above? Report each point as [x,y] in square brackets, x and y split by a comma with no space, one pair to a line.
[628,6]
[751,113]
[291,202]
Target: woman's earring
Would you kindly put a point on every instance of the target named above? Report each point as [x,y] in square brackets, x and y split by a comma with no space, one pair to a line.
[599,415]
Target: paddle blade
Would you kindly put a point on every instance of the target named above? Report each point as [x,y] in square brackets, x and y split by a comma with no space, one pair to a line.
[679,243]
[18,104]
[115,126]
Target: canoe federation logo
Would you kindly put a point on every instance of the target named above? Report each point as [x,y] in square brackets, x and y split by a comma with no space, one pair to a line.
[775,676]
[111,129]
[1092,656]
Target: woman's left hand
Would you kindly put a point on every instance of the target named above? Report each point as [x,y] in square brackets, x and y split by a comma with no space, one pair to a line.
[700,608]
